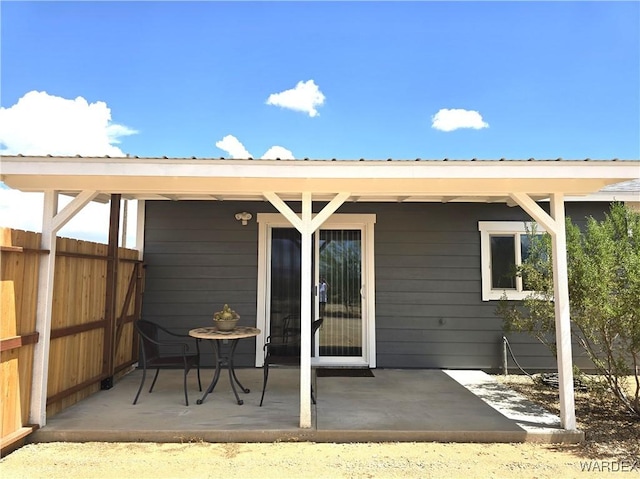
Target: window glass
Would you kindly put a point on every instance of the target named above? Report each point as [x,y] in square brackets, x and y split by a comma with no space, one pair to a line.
[503,254]
[526,245]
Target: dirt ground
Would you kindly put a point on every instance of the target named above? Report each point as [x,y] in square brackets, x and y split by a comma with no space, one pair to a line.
[611,447]
[295,460]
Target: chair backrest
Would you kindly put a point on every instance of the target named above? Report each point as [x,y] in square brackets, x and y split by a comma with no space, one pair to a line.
[291,347]
[148,331]
[314,327]
[316,324]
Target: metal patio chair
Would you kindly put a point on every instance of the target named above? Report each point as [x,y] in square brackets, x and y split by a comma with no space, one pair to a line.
[276,351]
[177,353]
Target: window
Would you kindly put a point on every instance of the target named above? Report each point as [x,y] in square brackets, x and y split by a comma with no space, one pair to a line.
[503,246]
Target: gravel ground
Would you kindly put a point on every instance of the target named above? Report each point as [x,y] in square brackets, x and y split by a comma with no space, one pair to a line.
[299,460]
[611,447]
[609,430]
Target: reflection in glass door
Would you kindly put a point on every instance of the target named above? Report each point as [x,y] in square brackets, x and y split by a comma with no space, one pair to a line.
[339,254]
[285,289]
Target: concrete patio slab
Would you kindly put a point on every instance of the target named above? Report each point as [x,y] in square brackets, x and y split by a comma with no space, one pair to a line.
[394,405]
[408,400]
[540,424]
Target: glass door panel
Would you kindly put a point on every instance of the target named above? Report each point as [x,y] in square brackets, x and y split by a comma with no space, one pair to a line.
[285,288]
[339,293]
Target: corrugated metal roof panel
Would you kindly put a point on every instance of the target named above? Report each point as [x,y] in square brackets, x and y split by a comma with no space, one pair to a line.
[337,159]
[630,186]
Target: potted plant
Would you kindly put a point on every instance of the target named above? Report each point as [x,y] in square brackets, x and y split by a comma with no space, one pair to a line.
[226,319]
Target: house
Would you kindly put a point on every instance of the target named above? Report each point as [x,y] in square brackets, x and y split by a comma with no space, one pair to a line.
[412,251]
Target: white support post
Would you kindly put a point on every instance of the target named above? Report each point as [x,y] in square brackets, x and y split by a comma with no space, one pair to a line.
[305,313]
[563,317]
[46,271]
[52,221]
[306,224]
[555,226]
[125,221]
[140,220]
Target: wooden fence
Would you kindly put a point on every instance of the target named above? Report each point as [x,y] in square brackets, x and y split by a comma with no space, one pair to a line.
[89,343]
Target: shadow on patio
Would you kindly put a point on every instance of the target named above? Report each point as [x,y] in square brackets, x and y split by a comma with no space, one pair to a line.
[395,405]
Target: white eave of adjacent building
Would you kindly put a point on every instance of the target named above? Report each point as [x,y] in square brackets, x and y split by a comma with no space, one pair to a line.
[365,180]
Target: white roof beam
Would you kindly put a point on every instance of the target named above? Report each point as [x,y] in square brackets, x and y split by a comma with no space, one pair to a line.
[536,212]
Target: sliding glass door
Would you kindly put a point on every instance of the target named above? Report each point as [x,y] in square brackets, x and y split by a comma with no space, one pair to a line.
[341,263]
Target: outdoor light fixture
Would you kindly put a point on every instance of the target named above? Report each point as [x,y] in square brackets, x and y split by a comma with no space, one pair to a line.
[244,217]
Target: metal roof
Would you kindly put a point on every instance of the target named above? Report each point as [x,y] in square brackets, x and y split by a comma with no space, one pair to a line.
[133,157]
[441,180]
[625,186]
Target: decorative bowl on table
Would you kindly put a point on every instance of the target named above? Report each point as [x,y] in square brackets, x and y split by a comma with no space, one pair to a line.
[226,320]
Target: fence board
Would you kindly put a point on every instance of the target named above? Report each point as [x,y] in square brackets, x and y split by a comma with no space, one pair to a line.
[76,364]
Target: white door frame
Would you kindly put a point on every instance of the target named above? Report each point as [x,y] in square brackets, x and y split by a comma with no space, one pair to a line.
[364,223]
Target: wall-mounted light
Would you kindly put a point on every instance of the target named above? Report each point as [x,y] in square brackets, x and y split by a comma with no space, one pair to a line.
[244,217]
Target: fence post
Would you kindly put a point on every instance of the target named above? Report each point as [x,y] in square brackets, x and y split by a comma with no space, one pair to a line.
[505,364]
[110,294]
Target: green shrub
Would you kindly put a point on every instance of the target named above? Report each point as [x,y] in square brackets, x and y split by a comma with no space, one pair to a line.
[604,293]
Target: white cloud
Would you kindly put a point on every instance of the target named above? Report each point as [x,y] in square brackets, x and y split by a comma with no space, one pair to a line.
[43,124]
[278,152]
[232,145]
[453,119]
[23,211]
[305,97]
[236,150]
[115,131]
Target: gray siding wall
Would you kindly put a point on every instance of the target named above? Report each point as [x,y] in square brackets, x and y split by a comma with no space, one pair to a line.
[429,308]
[199,257]
[429,311]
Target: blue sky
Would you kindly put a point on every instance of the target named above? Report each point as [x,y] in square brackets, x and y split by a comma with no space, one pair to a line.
[321,79]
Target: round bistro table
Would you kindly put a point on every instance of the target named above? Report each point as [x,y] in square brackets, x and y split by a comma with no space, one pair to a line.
[216,337]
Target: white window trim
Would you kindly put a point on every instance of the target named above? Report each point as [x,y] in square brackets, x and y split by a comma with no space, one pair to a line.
[489,228]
